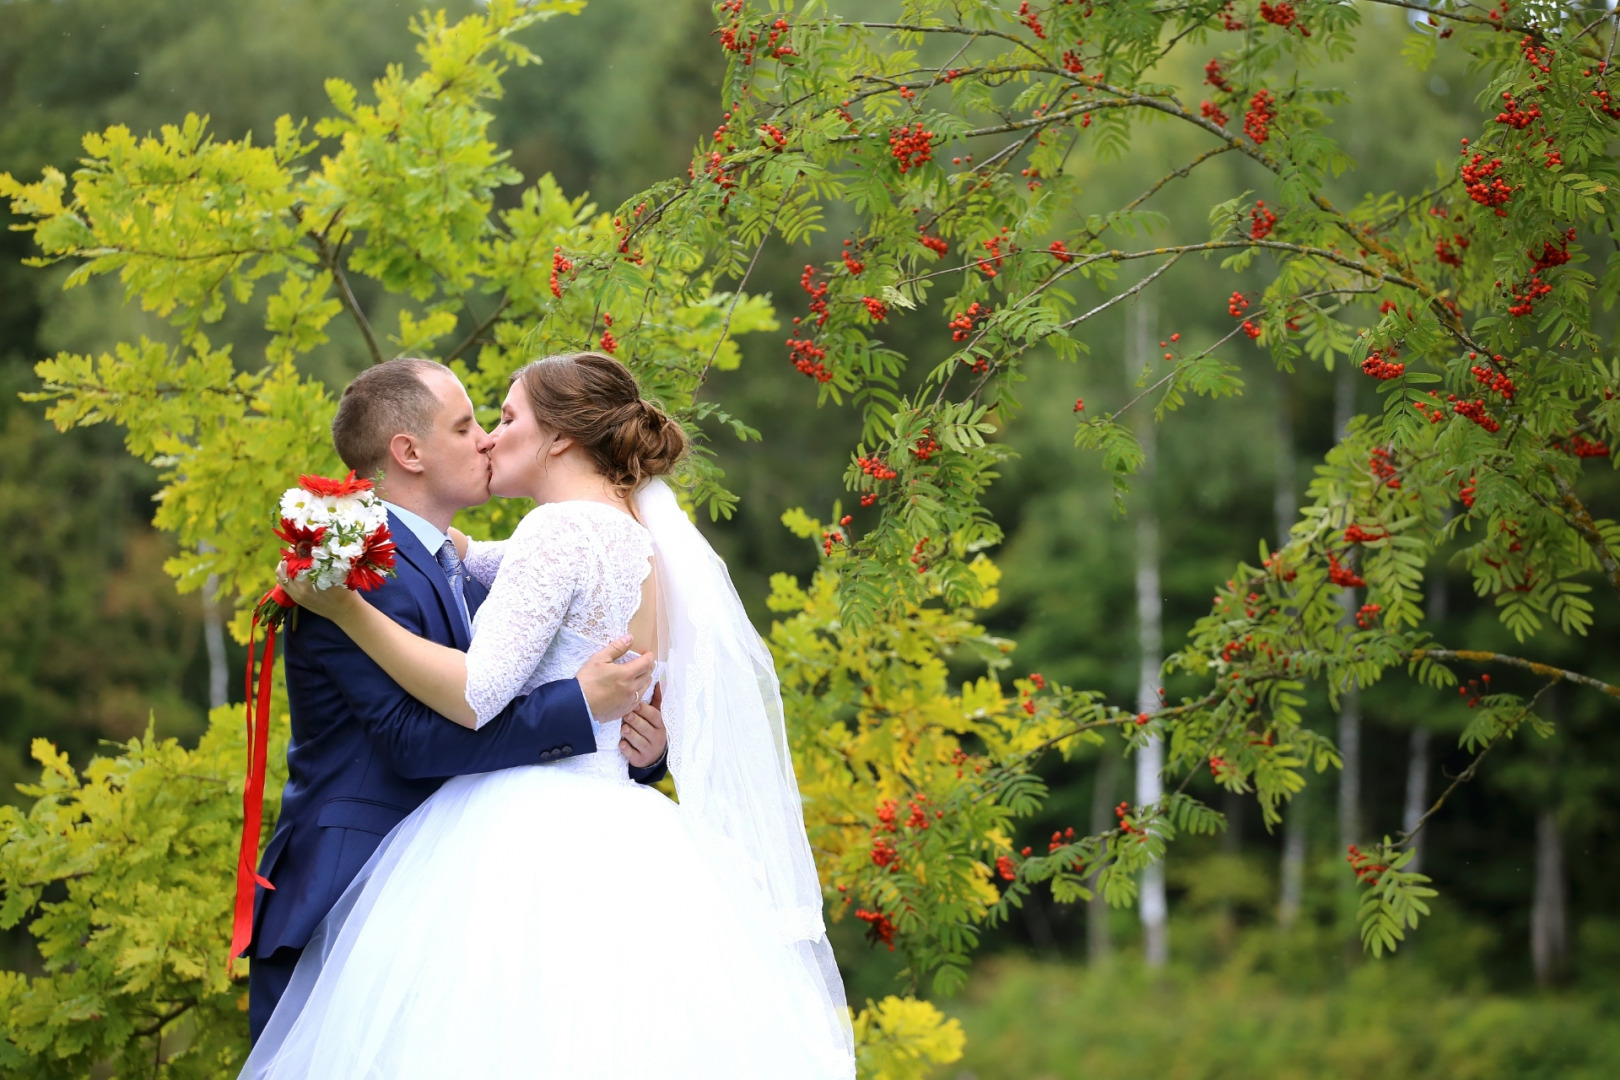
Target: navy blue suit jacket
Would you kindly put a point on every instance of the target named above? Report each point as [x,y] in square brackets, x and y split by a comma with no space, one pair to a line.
[364,753]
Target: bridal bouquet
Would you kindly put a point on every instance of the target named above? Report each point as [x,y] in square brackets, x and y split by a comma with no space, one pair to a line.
[336,533]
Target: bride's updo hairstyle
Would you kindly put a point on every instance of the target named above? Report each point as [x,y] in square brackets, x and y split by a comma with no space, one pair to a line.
[594,400]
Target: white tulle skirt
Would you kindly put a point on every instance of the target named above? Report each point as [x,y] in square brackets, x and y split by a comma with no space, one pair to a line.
[541,923]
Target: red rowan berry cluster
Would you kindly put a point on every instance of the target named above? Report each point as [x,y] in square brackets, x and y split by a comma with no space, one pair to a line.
[1367,615]
[1551,256]
[1261,221]
[731,39]
[818,295]
[874,468]
[771,134]
[1038,679]
[963,325]
[714,169]
[1283,15]
[1366,870]
[610,344]
[1444,253]
[917,556]
[1432,413]
[884,855]
[881,928]
[1381,367]
[1343,575]
[1515,117]
[1031,20]
[1006,868]
[560,265]
[918,818]
[933,243]
[992,266]
[1483,185]
[1465,494]
[1475,411]
[828,539]
[1380,465]
[911,146]
[1214,76]
[1356,534]
[1079,404]
[1236,305]
[1537,56]
[1061,838]
[1494,381]
[1061,252]
[1072,62]
[1252,330]
[875,308]
[1582,447]
[1525,294]
[1274,563]
[926,447]
[1470,691]
[1212,112]
[851,263]
[1229,19]
[1258,117]
[1603,104]
[808,358]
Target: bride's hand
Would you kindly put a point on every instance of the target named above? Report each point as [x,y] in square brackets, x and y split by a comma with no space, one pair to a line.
[331,603]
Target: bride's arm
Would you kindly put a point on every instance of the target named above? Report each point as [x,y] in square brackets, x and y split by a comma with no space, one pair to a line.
[482,558]
[516,623]
[434,674]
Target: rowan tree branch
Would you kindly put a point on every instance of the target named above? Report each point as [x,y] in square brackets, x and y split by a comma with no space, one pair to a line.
[1546,671]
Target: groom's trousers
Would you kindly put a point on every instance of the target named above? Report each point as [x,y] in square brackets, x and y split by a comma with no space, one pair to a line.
[267,981]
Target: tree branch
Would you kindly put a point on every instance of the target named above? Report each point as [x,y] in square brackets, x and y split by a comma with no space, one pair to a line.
[1546,671]
[1581,520]
[331,257]
[478,331]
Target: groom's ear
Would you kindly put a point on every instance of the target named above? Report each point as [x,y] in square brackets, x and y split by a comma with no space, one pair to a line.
[405,453]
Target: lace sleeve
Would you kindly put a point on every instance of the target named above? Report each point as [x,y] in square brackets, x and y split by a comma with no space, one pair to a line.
[540,573]
[483,559]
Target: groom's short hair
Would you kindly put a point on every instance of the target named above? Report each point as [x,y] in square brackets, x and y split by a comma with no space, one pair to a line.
[386,399]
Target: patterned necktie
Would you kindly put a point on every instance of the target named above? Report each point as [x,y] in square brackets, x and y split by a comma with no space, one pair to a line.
[450,562]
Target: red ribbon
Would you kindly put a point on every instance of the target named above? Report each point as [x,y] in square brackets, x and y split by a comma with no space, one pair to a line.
[258,742]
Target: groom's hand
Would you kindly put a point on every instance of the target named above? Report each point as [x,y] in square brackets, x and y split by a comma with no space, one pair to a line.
[611,689]
[642,737]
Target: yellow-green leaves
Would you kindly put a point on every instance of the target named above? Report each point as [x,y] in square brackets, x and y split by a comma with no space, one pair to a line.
[904,1039]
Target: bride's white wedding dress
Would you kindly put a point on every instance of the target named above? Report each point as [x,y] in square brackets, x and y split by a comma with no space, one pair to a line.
[560,920]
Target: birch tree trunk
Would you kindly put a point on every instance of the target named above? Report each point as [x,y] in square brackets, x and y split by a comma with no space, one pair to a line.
[1285,505]
[1549,911]
[1344,407]
[1150,759]
[214,640]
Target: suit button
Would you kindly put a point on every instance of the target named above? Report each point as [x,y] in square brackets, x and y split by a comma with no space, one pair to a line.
[567,749]
[545,755]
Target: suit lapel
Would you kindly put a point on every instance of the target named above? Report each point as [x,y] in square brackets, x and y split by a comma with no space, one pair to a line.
[413,551]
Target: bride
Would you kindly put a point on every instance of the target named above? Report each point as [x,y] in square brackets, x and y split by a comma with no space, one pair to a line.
[560,920]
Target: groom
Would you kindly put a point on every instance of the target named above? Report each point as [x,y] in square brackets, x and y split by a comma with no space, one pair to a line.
[364,754]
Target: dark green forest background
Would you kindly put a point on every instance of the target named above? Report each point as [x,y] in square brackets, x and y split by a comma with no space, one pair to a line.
[95,642]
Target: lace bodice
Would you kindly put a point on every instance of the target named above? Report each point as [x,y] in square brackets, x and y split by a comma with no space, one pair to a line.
[565,584]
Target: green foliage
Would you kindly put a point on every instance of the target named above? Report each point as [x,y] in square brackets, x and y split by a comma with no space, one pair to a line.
[122,876]
[913,783]
[1237,1021]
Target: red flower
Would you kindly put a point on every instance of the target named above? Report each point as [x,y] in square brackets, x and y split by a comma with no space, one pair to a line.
[320,485]
[299,555]
[375,557]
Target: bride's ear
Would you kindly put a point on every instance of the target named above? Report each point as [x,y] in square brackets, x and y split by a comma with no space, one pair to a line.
[561,445]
